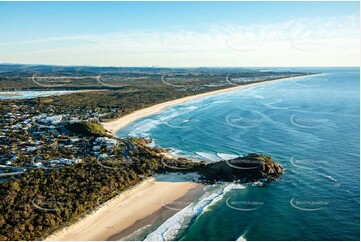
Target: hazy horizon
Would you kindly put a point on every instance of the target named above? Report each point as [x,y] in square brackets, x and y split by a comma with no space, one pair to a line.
[179,67]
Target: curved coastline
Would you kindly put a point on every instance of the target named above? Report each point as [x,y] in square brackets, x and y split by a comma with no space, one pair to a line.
[127,212]
[115,125]
[106,216]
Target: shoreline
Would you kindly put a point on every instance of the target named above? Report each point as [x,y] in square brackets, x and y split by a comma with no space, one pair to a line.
[158,217]
[115,125]
[129,211]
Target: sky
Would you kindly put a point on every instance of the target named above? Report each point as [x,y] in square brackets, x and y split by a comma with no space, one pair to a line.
[181,34]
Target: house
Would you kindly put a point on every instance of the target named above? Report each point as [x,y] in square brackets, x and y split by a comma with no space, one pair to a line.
[74,120]
[73,140]
[102,156]
[32,148]
[111,142]
[53,119]
[101,139]
[36,165]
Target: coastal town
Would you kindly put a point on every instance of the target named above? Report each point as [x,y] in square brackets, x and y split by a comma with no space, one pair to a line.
[49,132]
[43,132]
[180,120]
[30,140]
[64,148]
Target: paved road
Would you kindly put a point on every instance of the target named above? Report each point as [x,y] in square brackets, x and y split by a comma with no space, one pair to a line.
[129,146]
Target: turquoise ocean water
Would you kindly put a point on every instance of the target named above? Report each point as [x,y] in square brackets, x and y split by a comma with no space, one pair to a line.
[310,125]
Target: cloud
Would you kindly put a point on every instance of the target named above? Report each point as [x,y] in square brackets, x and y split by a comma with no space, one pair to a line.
[304,42]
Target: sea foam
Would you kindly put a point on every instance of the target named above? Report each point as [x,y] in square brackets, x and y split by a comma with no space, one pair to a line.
[224,156]
[170,229]
[209,157]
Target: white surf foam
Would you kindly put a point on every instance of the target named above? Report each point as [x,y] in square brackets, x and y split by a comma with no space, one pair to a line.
[220,101]
[225,156]
[170,229]
[141,128]
[241,238]
[329,177]
[209,157]
[191,108]
[152,144]
[135,236]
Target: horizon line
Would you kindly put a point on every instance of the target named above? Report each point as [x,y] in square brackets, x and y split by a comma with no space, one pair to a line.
[159,67]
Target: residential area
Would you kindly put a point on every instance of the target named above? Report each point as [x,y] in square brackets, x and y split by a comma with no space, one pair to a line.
[29,140]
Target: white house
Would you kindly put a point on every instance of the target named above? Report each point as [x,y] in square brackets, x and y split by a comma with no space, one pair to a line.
[102,156]
[37,165]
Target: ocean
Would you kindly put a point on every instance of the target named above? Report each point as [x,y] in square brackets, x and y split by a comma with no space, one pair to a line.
[309,125]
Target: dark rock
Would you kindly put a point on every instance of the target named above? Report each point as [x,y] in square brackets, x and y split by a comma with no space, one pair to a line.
[251,167]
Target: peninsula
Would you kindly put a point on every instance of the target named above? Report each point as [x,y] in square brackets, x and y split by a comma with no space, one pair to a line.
[59,164]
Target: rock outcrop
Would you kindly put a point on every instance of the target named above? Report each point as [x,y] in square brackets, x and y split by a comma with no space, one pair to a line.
[247,168]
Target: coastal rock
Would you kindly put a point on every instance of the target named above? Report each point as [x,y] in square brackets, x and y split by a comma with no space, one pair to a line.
[250,168]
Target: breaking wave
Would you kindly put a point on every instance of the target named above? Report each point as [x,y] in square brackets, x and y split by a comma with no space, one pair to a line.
[171,228]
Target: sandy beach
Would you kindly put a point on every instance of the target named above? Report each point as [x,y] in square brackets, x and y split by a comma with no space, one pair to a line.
[124,214]
[115,125]
[141,205]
